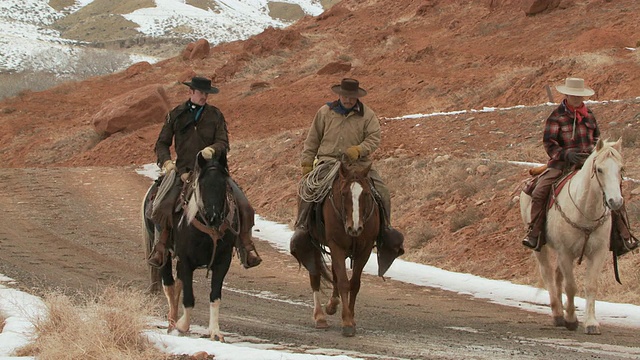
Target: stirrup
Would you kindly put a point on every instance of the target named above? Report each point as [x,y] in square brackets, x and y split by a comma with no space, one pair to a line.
[527,241]
[247,261]
[153,257]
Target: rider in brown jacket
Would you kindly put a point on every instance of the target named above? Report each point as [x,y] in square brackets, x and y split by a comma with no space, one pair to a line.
[196,126]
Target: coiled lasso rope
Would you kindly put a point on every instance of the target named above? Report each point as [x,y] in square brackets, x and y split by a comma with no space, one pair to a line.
[315,186]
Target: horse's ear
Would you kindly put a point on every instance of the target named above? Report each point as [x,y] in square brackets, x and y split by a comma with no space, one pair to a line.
[365,171]
[599,144]
[343,170]
[618,145]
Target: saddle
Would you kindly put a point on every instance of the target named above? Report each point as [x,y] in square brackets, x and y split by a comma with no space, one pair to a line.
[531,183]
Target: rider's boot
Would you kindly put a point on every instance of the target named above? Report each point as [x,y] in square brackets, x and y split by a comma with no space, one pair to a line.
[532,240]
[622,241]
[158,256]
[300,242]
[247,250]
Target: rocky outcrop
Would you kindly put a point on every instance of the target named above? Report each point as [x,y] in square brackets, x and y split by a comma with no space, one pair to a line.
[196,50]
[131,111]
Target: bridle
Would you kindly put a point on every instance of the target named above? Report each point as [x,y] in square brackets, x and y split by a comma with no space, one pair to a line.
[200,222]
[341,213]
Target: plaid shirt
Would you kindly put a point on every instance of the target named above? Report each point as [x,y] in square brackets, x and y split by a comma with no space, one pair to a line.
[560,135]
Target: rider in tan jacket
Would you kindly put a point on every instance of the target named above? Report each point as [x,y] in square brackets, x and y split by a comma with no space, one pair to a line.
[345,127]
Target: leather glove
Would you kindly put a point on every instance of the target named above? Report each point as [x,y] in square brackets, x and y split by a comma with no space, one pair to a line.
[168,166]
[575,158]
[353,152]
[306,168]
[208,152]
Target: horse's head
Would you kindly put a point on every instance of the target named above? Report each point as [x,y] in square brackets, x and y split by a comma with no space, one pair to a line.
[356,198]
[210,190]
[607,166]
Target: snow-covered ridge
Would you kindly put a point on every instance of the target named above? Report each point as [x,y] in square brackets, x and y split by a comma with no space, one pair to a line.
[28,43]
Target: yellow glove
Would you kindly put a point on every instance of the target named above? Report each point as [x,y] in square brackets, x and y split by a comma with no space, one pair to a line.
[168,166]
[208,152]
[353,152]
[306,168]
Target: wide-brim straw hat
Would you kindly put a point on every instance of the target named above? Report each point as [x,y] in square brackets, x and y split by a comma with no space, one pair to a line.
[575,87]
[203,84]
[349,88]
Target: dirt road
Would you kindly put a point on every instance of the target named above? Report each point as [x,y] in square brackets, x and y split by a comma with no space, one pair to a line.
[78,229]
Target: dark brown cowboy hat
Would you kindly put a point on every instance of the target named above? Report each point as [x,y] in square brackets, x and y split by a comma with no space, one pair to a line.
[203,84]
[350,88]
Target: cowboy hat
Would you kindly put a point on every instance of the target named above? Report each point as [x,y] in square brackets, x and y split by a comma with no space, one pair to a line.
[349,88]
[203,84]
[574,87]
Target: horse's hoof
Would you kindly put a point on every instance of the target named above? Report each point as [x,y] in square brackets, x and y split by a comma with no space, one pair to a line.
[348,331]
[571,325]
[322,324]
[558,321]
[219,338]
[592,330]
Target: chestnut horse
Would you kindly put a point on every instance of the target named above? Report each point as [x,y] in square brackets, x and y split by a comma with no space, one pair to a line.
[579,226]
[351,224]
[204,234]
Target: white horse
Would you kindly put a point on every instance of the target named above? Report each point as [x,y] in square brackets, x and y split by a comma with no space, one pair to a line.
[579,225]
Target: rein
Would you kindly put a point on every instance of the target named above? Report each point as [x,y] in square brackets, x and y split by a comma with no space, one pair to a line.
[586,230]
[215,233]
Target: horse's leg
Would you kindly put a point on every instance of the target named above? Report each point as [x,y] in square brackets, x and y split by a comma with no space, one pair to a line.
[342,281]
[188,300]
[555,294]
[169,289]
[334,300]
[356,277]
[218,272]
[318,315]
[566,266]
[591,325]
[559,318]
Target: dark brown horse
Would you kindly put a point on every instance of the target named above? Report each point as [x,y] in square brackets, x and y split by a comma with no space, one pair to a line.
[351,220]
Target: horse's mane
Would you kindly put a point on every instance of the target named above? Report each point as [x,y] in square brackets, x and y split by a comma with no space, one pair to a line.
[220,163]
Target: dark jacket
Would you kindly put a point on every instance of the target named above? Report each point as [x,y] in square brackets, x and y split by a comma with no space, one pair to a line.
[560,135]
[191,136]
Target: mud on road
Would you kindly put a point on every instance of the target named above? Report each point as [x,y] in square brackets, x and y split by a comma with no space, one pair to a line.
[78,229]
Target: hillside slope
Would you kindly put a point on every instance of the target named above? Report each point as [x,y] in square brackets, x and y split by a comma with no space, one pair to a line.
[412,57]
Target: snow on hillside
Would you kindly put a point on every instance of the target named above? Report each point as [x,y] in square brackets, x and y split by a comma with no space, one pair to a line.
[26,42]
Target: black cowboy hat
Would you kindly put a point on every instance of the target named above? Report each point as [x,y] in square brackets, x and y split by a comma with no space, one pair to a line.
[350,88]
[203,84]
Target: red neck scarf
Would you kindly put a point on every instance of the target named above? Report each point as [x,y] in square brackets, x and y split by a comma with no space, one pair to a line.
[580,112]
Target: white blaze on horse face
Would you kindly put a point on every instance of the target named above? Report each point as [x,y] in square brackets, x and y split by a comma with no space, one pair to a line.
[356,191]
[609,173]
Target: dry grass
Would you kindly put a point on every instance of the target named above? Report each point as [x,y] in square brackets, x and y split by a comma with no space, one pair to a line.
[2,320]
[107,326]
[468,217]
